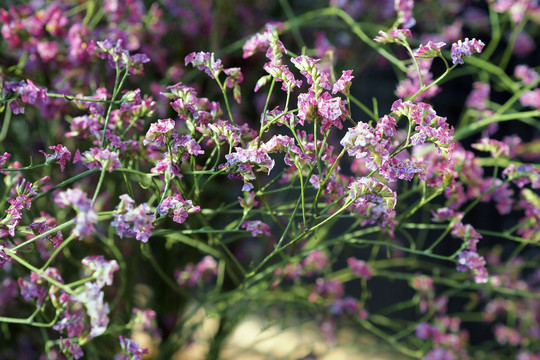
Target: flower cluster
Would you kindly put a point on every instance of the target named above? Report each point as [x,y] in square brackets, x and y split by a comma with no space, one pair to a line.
[131,221]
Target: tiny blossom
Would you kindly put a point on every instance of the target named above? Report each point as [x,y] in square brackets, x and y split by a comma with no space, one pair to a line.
[242,162]
[44,224]
[133,221]
[411,85]
[24,192]
[86,215]
[331,288]
[159,132]
[132,350]
[266,40]
[98,158]
[531,98]
[315,75]
[203,272]
[424,331]
[315,261]
[4,258]
[439,354]
[470,260]
[102,270]
[526,74]
[3,160]
[256,228]
[523,175]
[404,9]
[479,96]
[71,348]
[360,268]
[332,110]
[507,335]
[91,296]
[177,207]
[465,48]
[205,61]
[467,233]
[362,188]
[343,84]
[430,50]
[280,73]
[60,156]
[116,54]
[393,36]
[248,201]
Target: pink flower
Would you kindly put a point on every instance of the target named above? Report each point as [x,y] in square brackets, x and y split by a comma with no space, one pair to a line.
[133,221]
[177,207]
[475,264]
[526,74]
[393,36]
[360,268]
[479,97]
[102,270]
[132,350]
[159,132]
[86,215]
[344,83]
[429,50]
[98,158]
[60,156]
[205,61]
[404,9]
[256,228]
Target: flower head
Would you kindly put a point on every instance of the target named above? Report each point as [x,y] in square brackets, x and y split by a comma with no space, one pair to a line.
[61,155]
[465,48]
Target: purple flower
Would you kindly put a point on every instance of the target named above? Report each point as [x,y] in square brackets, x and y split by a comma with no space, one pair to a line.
[404,9]
[86,215]
[315,261]
[479,97]
[25,193]
[102,270]
[98,158]
[60,156]
[70,348]
[242,161]
[424,331]
[98,310]
[331,288]
[531,98]
[439,354]
[256,228]
[475,264]
[178,207]
[465,48]
[132,349]
[205,61]
[203,272]
[4,258]
[133,221]
[360,268]
[526,74]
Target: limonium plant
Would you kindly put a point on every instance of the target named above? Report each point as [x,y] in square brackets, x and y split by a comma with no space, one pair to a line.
[358,164]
